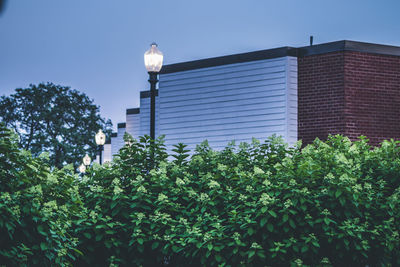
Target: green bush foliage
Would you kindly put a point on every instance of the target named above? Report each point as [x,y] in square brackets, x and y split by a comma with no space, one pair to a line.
[331,203]
[37,208]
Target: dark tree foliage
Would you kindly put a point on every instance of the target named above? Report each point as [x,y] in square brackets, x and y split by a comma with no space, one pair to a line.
[55,119]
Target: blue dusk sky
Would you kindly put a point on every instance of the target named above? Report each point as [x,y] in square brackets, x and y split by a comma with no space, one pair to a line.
[97,46]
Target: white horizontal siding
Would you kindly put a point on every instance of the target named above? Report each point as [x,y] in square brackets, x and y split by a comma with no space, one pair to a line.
[238,67]
[118,141]
[230,102]
[114,146]
[107,156]
[133,125]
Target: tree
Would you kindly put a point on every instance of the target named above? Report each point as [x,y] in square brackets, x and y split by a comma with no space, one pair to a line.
[55,119]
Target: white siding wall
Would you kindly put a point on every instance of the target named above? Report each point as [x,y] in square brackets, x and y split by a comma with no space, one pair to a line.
[107,153]
[120,138]
[133,125]
[114,146]
[117,142]
[145,116]
[229,102]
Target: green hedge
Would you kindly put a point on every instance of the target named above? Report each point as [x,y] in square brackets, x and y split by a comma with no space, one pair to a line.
[331,203]
[37,207]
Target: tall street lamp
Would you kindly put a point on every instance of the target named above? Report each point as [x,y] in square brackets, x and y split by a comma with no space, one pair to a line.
[153,59]
[100,141]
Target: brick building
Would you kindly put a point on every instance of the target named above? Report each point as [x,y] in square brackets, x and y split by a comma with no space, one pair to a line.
[349,88]
[344,87]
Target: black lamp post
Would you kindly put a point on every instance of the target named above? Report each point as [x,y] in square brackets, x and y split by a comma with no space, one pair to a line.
[153,59]
[100,141]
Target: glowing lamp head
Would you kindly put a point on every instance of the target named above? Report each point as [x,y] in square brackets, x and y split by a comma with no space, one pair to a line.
[153,59]
[87,160]
[82,168]
[100,138]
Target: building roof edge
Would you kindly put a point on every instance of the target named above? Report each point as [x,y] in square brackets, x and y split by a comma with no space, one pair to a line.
[347,45]
[230,59]
[343,45]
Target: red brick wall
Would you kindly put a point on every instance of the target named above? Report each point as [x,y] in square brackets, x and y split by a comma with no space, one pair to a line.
[320,96]
[350,93]
[372,96]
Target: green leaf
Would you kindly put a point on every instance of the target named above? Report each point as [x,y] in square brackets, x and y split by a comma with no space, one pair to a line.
[273,214]
[41,231]
[270,227]
[315,243]
[208,253]
[99,237]
[304,249]
[43,246]
[210,246]
[155,245]
[87,235]
[115,211]
[251,253]
[338,193]
[263,221]
[264,209]
[218,248]
[261,254]
[250,231]
[77,251]
[292,224]
[285,217]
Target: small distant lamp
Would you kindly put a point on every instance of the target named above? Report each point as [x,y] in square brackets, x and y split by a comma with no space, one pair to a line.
[86,160]
[100,141]
[153,60]
[82,168]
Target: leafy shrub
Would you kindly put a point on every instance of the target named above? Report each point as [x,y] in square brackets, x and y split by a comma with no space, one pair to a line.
[37,207]
[331,203]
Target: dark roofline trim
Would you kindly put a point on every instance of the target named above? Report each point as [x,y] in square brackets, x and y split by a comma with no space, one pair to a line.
[146,94]
[230,59]
[346,45]
[121,125]
[337,46]
[130,111]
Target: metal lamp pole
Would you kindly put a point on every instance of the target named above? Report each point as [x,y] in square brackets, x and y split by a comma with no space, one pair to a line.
[153,81]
